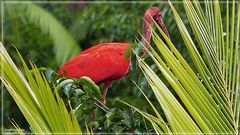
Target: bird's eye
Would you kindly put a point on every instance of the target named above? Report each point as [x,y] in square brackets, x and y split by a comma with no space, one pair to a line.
[160,15]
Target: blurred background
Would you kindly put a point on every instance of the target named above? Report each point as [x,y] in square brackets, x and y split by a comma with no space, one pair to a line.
[50,33]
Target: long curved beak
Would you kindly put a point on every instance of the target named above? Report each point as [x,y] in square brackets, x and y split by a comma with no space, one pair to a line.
[160,22]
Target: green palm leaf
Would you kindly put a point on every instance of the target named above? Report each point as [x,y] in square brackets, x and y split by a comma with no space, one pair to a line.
[209,97]
[64,45]
[44,110]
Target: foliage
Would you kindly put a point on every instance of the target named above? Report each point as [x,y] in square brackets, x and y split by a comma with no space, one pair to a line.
[44,110]
[85,98]
[65,46]
[207,101]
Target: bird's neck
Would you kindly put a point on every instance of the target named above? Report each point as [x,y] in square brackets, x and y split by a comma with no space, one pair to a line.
[146,35]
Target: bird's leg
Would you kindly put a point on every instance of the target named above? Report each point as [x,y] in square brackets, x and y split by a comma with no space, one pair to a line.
[106,85]
[94,115]
[104,94]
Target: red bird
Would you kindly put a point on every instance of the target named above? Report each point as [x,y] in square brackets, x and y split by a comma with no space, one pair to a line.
[106,62]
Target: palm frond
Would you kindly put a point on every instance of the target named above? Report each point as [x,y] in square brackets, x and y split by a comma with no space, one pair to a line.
[44,110]
[64,44]
[210,96]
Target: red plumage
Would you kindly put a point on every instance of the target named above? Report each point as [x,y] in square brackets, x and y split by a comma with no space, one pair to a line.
[102,62]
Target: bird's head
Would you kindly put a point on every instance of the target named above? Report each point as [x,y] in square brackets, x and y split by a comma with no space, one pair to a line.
[152,14]
[155,13]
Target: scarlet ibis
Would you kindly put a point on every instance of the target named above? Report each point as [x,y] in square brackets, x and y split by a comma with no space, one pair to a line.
[106,62]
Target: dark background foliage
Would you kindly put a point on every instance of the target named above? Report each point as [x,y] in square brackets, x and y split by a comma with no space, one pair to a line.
[89,24]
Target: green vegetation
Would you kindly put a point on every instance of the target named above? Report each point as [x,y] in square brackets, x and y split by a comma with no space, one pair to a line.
[186,84]
[44,112]
[209,101]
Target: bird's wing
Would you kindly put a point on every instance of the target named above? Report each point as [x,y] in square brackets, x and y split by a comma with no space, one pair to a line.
[99,63]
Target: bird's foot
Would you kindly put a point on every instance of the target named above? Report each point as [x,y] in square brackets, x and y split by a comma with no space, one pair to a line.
[104,102]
